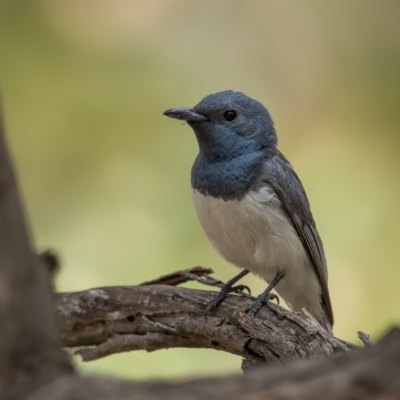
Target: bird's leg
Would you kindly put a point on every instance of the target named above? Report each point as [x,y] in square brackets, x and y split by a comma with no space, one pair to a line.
[266,295]
[227,288]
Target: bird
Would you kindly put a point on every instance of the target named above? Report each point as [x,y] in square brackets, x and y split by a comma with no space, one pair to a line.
[252,205]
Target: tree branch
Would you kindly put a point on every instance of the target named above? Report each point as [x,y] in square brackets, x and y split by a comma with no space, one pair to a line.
[367,374]
[153,317]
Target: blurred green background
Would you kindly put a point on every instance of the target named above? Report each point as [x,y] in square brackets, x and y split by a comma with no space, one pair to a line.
[106,177]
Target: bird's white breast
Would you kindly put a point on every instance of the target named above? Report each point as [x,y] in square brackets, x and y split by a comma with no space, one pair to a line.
[255,233]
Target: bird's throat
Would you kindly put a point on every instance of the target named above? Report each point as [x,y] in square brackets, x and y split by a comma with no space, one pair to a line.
[227,179]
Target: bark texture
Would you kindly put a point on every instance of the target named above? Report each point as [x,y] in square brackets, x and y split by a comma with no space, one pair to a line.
[119,319]
[365,374]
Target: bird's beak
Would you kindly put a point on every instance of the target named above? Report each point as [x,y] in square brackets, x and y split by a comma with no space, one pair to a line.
[186,114]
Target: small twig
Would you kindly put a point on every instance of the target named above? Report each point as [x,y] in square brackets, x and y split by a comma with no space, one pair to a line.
[207,280]
[179,277]
[365,338]
[210,281]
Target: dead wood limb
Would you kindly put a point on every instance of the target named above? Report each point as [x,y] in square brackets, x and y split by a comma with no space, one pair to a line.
[118,319]
[365,374]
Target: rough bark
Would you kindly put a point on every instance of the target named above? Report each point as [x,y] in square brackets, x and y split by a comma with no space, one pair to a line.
[367,374]
[119,319]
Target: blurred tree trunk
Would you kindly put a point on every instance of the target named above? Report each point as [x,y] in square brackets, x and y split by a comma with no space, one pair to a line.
[30,347]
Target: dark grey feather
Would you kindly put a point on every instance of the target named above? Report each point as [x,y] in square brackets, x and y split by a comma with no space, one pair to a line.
[280,175]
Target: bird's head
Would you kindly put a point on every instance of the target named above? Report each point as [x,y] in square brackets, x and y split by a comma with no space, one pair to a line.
[229,124]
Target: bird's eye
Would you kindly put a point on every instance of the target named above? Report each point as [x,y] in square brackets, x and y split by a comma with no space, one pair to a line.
[230,115]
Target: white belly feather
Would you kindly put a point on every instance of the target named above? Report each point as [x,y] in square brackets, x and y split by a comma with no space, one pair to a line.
[255,233]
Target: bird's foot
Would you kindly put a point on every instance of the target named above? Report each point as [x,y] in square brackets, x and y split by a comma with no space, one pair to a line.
[260,301]
[225,290]
[240,289]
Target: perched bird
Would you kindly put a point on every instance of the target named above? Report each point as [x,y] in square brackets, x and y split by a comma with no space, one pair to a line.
[252,205]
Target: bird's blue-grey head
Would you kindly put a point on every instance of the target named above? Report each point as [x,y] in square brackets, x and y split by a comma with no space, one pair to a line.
[229,124]
[235,135]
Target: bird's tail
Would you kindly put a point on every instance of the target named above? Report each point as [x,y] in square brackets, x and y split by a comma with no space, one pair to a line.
[325,323]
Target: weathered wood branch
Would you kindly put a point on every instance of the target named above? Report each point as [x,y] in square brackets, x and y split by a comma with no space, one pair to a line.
[367,374]
[153,317]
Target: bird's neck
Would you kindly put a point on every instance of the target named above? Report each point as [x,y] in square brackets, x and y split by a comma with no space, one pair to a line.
[227,179]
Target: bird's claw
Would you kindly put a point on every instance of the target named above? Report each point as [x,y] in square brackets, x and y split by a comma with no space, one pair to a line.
[260,301]
[273,296]
[220,297]
[215,302]
[240,289]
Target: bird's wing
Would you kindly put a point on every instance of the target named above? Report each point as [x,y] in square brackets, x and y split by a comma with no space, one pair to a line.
[280,175]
